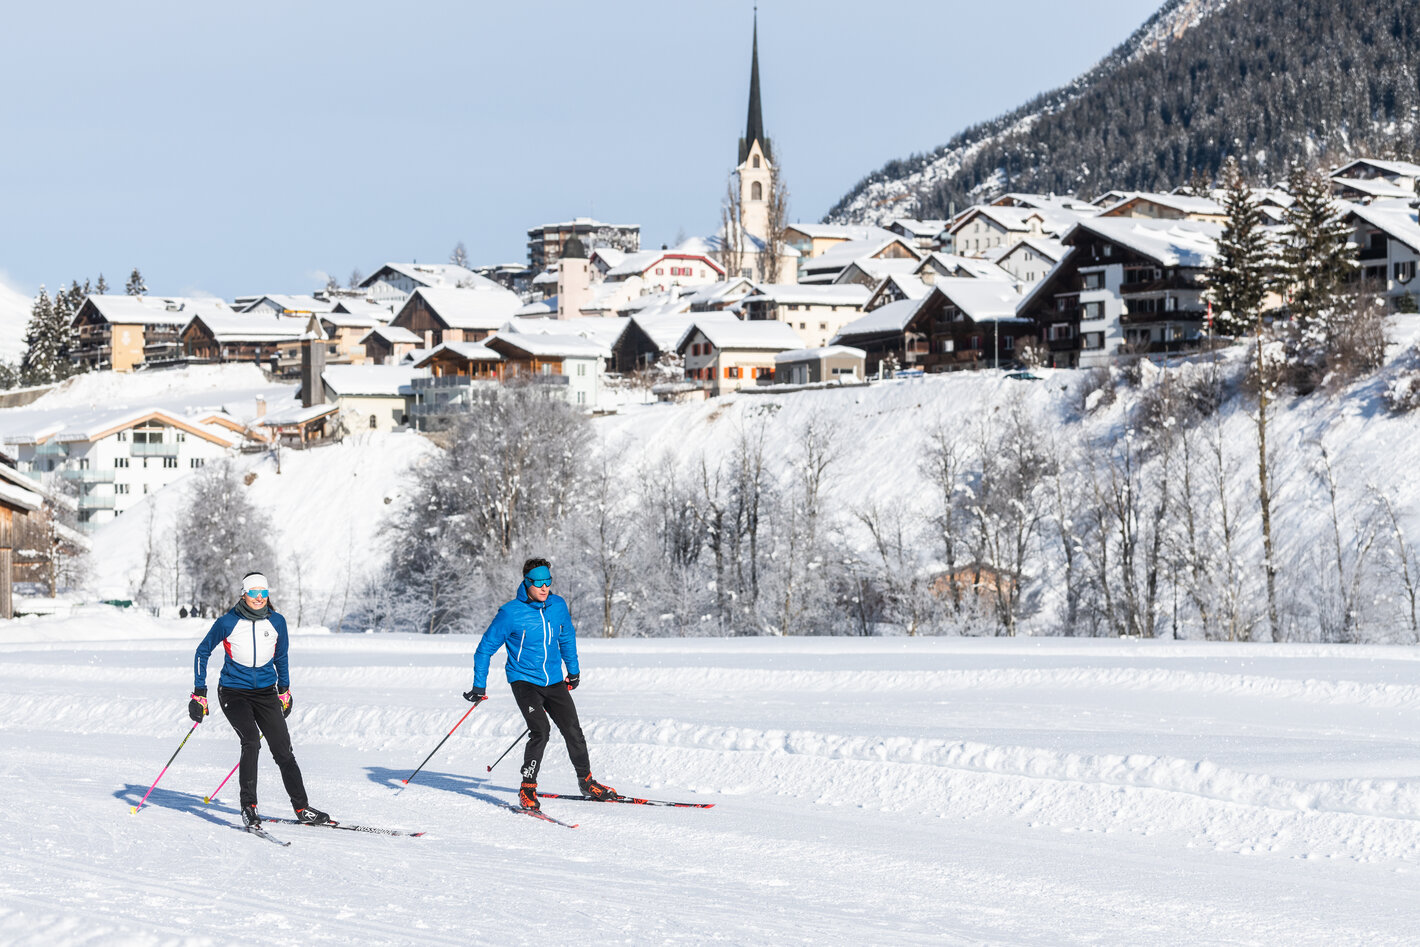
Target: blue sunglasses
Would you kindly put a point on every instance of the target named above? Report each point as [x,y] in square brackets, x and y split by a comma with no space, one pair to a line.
[258,593]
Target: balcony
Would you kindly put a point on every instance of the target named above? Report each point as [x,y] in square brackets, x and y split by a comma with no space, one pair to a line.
[96,502]
[155,450]
[445,381]
[1063,345]
[88,476]
[52,449]
[1373,252]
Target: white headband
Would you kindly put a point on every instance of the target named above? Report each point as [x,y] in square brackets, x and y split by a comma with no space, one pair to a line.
[254,581]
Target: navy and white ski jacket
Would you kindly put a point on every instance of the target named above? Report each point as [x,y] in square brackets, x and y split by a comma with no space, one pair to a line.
[256,652]
[539,637]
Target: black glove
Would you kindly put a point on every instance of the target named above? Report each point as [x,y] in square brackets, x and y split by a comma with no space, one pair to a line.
[475,694]
[285,698]
[573,680]
[197,704]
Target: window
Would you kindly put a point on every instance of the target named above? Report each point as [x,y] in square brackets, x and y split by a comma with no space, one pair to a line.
[196,462]
[83,463]
[181,436]
[1008,343]
[1094,280]
[581,397]
[1171,303]
[169,463]
[1093,310]
[1405,272]
[756,191]
[120,488]
[803,325]
[732,371]
[1091,340]
[374,422]
[123,435]
[755,161]
[823,326]
[120,461]
[660,271]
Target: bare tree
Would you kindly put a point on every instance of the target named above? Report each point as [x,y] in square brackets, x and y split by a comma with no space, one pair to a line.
[943,465]
[605,537]
[459,255]
[777,220]
[732,233]
[1404,562]
[803,585]
[1339,612]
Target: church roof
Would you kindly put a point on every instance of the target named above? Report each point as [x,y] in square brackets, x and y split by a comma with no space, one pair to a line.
[754,122]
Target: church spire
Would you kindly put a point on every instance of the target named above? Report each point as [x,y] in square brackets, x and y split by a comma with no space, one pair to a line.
[754,124]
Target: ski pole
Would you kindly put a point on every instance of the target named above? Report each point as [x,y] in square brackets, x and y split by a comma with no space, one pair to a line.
[134,809]
[508,750]
[436,749]
[208,799]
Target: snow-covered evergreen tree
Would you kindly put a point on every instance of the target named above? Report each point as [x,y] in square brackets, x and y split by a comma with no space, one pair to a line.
[1238,277]
[39,365]
[1317,256]
[136,286]
[101,287]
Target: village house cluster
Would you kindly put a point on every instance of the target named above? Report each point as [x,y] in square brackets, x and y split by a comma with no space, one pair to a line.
[763,304]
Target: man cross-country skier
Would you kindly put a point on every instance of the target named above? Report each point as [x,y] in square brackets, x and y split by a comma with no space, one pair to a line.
[536,628]
[254,691]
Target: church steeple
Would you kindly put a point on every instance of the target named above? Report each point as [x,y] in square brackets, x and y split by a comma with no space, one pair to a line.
[754,123]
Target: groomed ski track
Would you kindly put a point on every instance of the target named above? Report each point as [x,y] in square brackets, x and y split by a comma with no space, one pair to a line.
[933,791]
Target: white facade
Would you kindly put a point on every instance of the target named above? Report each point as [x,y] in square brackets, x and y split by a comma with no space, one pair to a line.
[1101,332]
[117,468]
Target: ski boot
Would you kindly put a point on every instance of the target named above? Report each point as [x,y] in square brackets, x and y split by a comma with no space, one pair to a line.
[249,817]
[527,796]
[595,790]
[309,816]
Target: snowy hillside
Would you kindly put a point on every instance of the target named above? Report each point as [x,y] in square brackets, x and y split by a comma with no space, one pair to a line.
[935,791]
[14,316]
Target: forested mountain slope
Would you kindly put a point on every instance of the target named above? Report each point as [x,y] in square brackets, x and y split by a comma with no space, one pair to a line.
[1272,82]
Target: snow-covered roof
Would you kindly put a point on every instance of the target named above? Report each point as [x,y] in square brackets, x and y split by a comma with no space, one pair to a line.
[610,257]
[911,287]
[981,299]
[547,345]
[485,308]
[825,294]
[448,275]
[1007,218]
[919,228]
[724,331]
[603,330]
[17,497]
[856,232]
[349,320]
[665,329]
[1373,187]
[1045,247]
[828,264]
[877,269]
[368,379]
[1397,221]
[296,414]
[231,326]
[893,317]
[469,351]
[291,304]
[826,351]
[1403,169]
[98,423]
[1189,243]
[540,307]
[363,306]
[1046,202]
[392,335]
[955,265]
[154,310]
[1183,203]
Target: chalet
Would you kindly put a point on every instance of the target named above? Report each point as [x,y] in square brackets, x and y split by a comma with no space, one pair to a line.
[718,296]
[345,333]
[826,267]
[456,315]
[1365,190]
[924,234]
[1401,175]
[723,354]
[244,337]
[1124,285]
[570,364]
[363,306]
[1032,258]
[605,331]
[811,240]
[659,270]
[370,397]
[1167,207]
[870,272]
[954,266]
[961,323]
[1388,237]
[986,228]
[123,332]
[386,345]
[894,288]
[814,312]
[301,426]
[117,457]
[650,337]
[829,363]
[1048,202]
[449,378]
[393,283]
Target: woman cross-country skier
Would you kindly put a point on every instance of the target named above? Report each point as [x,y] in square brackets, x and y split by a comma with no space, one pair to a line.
[536,628]
[254,691]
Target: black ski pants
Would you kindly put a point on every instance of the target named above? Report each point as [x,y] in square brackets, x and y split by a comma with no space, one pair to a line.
[555,701]
[254,714]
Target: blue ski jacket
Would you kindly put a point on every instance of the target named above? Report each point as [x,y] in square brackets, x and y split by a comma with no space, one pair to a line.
[539,637]
[255,652]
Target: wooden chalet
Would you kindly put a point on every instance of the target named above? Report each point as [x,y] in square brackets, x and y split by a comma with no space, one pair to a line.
[17,503]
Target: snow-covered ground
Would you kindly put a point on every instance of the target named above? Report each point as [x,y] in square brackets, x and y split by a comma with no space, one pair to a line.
[886,791]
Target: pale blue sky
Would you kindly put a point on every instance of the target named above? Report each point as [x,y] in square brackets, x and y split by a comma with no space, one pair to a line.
[247,148]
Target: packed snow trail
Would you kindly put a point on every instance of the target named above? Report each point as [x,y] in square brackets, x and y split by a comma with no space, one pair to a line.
[865,791]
